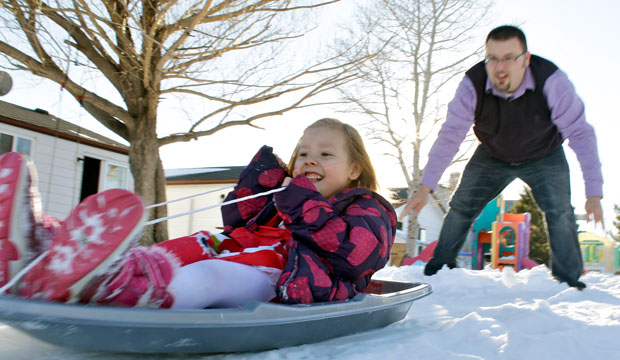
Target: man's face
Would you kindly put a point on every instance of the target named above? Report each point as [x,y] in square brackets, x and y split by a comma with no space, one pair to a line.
[506,62]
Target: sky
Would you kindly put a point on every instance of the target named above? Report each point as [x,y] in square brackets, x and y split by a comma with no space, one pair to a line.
[481,315]
[579,36]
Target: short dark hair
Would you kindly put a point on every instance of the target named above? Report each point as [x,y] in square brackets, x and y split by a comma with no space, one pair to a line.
[506,32]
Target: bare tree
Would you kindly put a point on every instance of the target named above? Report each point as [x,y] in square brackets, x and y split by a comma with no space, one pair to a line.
[228,54]
[426,45]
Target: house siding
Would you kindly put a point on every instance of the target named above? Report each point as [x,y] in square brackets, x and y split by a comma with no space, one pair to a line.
[431,219]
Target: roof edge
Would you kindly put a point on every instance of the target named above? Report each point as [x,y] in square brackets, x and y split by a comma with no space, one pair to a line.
[62,135]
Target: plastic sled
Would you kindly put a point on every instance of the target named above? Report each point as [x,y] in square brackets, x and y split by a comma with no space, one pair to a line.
[255,327]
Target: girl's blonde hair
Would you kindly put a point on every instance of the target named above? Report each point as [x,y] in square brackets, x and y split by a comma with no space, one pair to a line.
[357,153]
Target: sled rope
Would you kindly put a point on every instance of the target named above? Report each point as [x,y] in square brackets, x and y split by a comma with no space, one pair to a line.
[188,197]
[214,206]
[23,272]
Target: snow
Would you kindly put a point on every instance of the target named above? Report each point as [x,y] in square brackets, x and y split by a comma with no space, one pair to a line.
[470,315]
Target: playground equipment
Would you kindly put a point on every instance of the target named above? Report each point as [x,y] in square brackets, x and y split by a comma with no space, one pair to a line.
[599,253]
[482,231]
[508,238]
[510,241]
[505,236]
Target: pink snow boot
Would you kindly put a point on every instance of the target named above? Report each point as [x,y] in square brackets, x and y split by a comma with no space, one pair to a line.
[95,234]
[139,279]
[20,215]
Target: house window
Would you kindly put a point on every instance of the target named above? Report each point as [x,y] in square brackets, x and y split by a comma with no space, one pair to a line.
[399,225]
[115,177]
[18,144]
[422,235]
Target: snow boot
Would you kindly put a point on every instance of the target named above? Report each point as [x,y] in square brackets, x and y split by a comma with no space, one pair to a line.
[139,279]
[20,211]
[96,233]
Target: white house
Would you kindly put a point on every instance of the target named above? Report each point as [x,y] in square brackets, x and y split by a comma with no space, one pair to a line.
[213,183]
[71,162]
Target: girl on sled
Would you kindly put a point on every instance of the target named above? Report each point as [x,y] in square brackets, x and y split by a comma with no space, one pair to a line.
[319,239]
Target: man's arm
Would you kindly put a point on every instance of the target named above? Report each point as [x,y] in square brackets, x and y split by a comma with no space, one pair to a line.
[568,114]
[459,119]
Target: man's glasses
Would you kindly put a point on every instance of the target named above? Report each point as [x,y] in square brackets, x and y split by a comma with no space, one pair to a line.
[493,61]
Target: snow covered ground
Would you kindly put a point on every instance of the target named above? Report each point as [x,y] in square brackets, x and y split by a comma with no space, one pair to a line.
[470,315]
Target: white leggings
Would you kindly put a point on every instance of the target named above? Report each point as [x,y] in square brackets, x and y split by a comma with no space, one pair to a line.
[219,283]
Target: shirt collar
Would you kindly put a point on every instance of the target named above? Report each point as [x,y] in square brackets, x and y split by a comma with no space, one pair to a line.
[528,83]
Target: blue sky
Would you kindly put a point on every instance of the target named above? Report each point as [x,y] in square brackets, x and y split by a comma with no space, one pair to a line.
[579,36]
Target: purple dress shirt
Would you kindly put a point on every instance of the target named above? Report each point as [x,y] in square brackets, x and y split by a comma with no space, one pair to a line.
[567,113]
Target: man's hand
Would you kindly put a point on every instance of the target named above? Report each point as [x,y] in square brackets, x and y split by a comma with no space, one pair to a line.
[416,202]
[594,210]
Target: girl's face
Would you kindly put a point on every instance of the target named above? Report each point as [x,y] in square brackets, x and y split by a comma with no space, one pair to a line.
[324,159]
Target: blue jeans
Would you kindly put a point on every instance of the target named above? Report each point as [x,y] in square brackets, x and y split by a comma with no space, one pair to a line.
[485,177]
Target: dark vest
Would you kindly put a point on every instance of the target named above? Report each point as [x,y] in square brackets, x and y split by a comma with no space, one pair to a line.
[519,130]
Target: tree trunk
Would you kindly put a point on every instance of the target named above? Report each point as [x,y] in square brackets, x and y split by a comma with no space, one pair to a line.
[413,229]
[413,226]
[146,165]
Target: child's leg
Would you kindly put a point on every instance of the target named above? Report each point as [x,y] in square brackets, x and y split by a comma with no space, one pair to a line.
[219,283]
[142,276]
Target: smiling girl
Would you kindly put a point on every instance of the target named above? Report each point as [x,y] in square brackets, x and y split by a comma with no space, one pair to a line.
[319,239]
